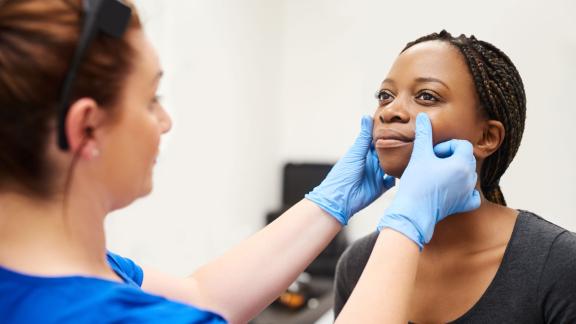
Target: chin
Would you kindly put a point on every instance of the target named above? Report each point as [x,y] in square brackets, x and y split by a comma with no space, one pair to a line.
[138,193]
[393,163]
[147,189]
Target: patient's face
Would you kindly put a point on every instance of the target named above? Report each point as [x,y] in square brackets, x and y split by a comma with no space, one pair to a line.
[430,77]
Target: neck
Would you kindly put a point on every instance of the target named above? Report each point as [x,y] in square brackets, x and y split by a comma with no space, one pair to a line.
[45,237]
[483,229]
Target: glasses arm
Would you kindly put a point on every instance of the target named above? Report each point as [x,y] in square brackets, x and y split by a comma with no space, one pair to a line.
[108,16]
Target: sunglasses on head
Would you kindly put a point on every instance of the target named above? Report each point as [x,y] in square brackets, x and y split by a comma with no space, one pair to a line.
[110,17]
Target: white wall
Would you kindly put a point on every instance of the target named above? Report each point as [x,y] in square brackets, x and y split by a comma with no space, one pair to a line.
[337,53]
[254,83]
[217,174]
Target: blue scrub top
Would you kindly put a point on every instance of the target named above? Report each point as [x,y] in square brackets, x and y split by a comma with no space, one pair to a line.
[76,299]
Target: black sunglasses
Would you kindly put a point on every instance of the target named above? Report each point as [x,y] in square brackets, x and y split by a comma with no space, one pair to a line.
[107,16]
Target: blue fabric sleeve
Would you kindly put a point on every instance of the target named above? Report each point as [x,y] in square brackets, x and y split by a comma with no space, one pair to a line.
[127,267]
[81,299]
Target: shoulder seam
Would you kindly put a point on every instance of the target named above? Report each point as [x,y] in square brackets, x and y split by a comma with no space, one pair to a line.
[546,262]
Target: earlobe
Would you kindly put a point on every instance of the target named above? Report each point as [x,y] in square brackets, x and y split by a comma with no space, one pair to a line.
[492,137]
[89,151]
[81,122]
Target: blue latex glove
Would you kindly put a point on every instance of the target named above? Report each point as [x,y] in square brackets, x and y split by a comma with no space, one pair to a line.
[432,186]
[355,181]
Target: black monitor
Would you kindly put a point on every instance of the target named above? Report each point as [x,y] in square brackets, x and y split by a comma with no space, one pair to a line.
[300,179]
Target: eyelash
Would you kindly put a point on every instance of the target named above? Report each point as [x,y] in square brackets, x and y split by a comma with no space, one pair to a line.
[379,94]
[434,98]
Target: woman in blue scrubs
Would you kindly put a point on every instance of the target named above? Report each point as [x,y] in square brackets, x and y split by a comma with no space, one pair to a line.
[80,127]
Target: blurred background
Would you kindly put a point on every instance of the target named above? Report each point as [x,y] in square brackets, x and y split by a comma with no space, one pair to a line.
[254,84]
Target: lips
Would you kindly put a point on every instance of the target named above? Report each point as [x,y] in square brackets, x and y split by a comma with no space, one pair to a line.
[391,138]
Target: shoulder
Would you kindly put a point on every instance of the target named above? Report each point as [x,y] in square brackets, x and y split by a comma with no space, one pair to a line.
[536,227]
[540,244]
[126,267]
[532,239]
[141,307]
[541,236]
[557,287]
[350,267]
[556,292]
[356,256]
[561,261]
[90,300]
[121,303]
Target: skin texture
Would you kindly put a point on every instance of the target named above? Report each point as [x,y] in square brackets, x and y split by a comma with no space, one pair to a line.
[457,266]
[121,146]
[432,78]
[132,147]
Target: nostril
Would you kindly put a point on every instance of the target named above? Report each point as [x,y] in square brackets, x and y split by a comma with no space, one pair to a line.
[381,119]
[396,119]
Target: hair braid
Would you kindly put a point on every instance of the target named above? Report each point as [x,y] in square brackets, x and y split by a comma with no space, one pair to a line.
[502,97]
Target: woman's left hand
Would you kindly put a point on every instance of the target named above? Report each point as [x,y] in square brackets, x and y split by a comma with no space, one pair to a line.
[355,181]
[439,181]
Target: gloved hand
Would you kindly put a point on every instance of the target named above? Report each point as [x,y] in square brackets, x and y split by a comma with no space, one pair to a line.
[432,187]
[355,181]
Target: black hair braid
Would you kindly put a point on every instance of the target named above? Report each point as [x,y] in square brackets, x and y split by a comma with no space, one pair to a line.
[502,97]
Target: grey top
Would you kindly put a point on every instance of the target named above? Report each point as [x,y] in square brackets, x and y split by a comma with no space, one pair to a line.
[535,283]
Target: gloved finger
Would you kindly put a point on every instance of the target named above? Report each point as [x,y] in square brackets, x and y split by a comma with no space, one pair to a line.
[444,149]
[386,180]
[364,139]
[464,150]
[389,181]
[366,126]
[423,140]
[473,202]
[373,169]
[474,178]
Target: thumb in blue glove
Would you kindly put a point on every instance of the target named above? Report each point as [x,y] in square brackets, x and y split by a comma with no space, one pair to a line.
[432,187]
[355,181]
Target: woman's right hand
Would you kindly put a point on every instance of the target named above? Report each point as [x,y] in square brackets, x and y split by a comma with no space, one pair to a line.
[438,181]
[355,181]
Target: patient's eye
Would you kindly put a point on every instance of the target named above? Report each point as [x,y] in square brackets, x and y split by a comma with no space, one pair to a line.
[427,96]
[383,96]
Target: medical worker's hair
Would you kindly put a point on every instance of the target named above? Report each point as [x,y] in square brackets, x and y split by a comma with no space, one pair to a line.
[502,98]
[37,41]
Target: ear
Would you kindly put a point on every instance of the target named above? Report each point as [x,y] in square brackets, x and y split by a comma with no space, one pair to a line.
[83,119]
[492,137]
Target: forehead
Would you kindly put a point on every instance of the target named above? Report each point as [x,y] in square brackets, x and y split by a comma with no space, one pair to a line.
[140,84]
[146,63]
[435,59]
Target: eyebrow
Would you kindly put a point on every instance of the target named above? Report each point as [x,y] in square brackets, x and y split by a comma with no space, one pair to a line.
[420,80]
[388,81]
[430,79]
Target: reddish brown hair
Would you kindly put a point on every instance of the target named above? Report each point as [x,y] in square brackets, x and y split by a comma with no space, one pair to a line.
[37,41]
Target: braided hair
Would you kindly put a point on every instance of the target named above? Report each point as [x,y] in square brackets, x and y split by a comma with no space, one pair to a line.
[502,98]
